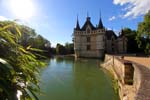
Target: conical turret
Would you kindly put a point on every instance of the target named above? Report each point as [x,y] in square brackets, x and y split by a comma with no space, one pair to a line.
[100,24]
[121,34]
[77,25]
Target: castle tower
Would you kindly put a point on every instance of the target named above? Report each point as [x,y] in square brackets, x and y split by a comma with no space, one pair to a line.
[89,40]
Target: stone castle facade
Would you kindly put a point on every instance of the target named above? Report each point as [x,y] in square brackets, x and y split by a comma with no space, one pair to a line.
[91,41]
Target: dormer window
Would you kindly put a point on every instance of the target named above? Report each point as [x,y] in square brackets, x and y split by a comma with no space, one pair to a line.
[88,30]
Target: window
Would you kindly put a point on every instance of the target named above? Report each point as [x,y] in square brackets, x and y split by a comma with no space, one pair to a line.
[88,47]
[88,30]
[112,43]
[103,38]
[88,39]
[112,49]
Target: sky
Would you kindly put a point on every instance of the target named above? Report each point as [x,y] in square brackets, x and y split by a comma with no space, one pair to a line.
[56,19]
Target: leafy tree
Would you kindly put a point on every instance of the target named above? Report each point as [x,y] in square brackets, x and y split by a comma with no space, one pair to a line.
[143,33]
[40,43]
[53,51]
[19,66]
[60,49]
[63,50]
[27,34]
[69,48]
[30,38]
[132,46]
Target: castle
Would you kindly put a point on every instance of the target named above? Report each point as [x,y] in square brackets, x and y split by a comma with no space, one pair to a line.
[91,41]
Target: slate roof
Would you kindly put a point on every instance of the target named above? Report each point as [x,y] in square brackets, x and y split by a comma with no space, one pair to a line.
[100,25]
[77,25]
[109,34]
[121,34]
[88,22]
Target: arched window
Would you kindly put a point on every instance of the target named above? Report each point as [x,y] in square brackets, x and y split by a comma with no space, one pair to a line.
[88,30]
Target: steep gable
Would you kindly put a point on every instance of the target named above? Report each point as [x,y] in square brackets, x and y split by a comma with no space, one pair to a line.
[88,23]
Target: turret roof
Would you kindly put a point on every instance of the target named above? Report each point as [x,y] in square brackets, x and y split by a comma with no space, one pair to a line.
[88,22]
[121,34]
[77,25]
[100,25]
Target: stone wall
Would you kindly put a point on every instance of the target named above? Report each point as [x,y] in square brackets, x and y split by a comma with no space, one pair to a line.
[116,65]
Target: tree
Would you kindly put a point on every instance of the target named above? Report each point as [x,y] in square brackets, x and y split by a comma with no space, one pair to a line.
[132,46]
[19,66]
[41,43]
[27,34]
[53,51]
[60,49]
[30,38]
[69,48]
[143,33]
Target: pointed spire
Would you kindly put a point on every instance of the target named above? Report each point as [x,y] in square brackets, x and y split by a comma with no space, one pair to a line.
[100,25]
[77,24]
[87,14]
[100,13]
[88,18]
[121,34]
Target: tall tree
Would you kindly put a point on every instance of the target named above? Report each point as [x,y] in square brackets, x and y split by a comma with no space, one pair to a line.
[69,48]
[143,36]
[27,33]
[60,49]
[132,46]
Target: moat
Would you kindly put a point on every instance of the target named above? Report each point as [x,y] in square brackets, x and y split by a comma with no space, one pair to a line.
[70,79]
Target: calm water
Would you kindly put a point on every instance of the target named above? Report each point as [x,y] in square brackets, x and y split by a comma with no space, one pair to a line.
[83,79]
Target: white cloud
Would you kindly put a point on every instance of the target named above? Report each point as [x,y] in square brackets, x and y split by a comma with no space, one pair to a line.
[2,18]
[108,28]
[134,8]
[112,18]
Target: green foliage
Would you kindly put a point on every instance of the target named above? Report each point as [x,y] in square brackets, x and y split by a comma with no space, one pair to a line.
[60,49]
[69,48]
[132,46]
[19,65]
[39,42]
[53,50]
[27,34]
[29,38]
[63,50]
[143,36]
[115,85]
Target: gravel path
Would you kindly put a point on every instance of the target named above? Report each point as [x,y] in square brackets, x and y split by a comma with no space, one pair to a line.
[141,60]
[144,90]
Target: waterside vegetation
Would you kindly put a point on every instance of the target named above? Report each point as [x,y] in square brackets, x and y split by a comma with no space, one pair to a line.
[19,61]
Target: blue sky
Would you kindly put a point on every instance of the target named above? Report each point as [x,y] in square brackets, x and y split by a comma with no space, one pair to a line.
[55,19]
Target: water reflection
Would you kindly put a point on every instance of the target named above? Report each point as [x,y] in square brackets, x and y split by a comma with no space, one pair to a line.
[64,59]
[59,59]
[69,79]
[86,82]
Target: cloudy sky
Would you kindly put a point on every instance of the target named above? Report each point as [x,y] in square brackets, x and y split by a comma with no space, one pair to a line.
[55,19]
